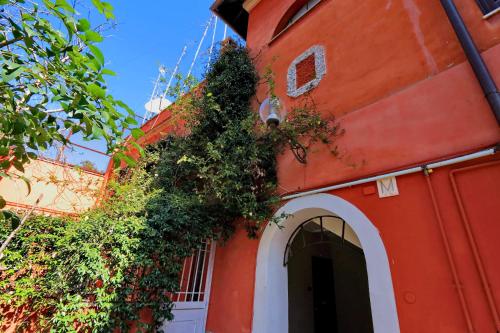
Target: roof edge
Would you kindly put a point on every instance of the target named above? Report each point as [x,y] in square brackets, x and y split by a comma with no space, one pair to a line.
[233,13]
[250,4]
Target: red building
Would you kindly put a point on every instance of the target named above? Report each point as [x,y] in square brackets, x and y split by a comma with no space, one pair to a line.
[401,232]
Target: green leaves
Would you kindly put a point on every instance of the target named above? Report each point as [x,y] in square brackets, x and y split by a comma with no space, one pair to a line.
[100,270]
[83,25]
[120,156]
[137,133]
[96,91]
[50,60]
[93,36]
[64,5]
[97,54]
[105,8]
[10,75]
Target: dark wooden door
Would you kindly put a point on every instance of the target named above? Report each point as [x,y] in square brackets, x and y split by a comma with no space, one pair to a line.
[325,314]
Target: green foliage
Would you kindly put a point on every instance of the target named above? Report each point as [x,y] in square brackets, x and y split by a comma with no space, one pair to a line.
[52,81]
[77,273]
[126,255]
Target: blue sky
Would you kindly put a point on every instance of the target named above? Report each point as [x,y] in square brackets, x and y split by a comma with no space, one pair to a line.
[149,33]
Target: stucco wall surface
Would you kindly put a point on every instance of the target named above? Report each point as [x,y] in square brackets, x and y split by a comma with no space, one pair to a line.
[396,79]
[426,296]
[398,83]
[65,189]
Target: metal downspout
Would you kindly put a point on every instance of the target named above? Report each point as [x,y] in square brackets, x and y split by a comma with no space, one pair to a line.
[483,75]
[489,293]
[449,254]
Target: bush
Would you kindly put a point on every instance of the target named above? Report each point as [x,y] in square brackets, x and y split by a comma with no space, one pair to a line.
[100,271]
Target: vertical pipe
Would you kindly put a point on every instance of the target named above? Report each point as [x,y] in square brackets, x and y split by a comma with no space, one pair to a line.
[476,61]
[473,244]
[449,255]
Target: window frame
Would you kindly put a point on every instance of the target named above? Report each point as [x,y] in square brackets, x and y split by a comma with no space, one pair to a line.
[296,12]
[489,7]
[306,8]
[320,66]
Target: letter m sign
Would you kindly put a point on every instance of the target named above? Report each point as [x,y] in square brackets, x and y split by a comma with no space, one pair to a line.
[387,187]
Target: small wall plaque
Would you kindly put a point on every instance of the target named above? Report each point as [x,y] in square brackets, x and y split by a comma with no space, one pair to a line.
[387,187]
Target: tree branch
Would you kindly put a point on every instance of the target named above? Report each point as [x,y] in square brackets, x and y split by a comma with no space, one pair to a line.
[9,42]
[14,232]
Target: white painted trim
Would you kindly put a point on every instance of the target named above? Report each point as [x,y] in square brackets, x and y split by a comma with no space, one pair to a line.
[271,280]
[208,286]
[492,13]
[468,157]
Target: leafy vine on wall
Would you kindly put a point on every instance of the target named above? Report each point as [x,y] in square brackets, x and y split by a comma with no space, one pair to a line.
[100,271]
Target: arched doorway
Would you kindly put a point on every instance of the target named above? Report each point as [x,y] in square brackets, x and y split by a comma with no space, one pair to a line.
[271,298]
[327,279]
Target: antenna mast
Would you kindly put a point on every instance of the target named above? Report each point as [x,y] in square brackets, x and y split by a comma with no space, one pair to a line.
[199,45]
[148,106]
[174,73]
[213,42]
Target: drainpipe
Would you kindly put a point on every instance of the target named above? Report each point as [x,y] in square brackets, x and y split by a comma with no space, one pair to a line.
[476,61]
[449,254]
[472,240]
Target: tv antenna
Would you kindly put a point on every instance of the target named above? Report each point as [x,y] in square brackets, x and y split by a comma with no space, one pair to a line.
[158,100]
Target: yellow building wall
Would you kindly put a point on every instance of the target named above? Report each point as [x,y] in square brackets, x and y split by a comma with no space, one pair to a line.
[66,189]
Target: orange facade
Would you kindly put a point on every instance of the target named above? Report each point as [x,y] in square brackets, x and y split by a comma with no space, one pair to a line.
[399,84]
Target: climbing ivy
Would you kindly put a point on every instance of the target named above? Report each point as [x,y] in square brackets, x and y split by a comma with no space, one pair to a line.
[100,271]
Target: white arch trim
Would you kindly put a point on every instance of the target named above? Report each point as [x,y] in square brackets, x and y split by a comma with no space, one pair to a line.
[271,280]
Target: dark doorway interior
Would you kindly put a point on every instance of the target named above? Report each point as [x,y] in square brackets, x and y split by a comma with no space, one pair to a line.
[325,314]
[327,285]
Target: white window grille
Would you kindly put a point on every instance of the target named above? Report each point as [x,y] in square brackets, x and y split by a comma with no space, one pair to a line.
[193,279]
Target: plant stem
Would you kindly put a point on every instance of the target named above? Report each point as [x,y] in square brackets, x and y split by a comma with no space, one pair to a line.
[15,231]
[9,42]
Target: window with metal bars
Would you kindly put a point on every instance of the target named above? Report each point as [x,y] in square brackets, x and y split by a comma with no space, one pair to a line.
[489,6]
[193,279]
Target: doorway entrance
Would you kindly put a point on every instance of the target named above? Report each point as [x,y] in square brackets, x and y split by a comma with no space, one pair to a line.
[271,294]
[327,279]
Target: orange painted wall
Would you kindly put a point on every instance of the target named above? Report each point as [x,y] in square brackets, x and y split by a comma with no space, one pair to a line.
[374,48]
[419,266]
[398,82]
[396,79]
[399,85]
[233,282]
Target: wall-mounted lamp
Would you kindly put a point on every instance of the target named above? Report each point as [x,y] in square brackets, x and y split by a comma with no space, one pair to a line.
[272,111]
